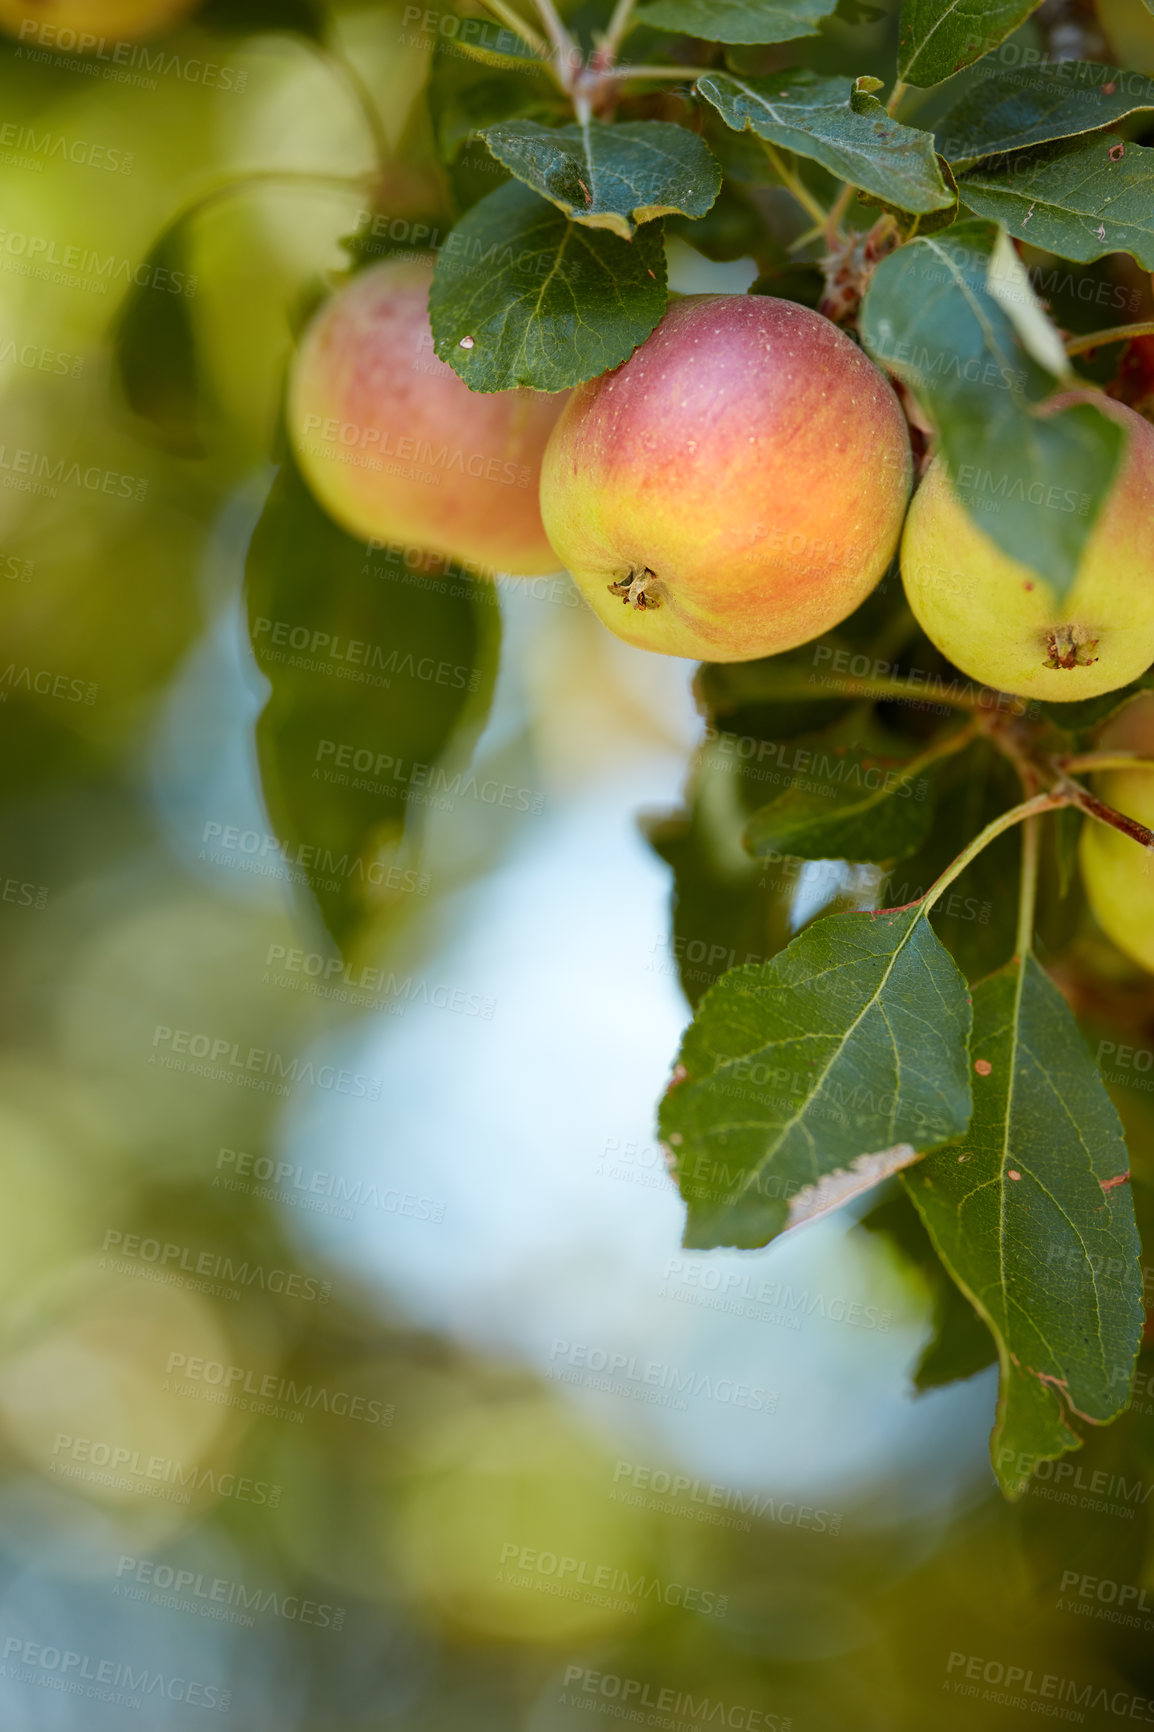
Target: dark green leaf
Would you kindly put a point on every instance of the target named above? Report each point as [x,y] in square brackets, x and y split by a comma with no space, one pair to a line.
[523,296]
[960,1345]
[975,918]
[252,17]
[853,798]
[738,20]
[845,129]
[939,37]
[955,317]
[465,97]
[345,657]
[155,349]
[727,908]
[804,1080]
[1080,199]
[861,12]
[732,228]
[1032,1218]
[611,177]
[1037,104]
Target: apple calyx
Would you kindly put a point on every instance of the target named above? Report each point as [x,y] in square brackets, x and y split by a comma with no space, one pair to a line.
[638,589]
[1070,646]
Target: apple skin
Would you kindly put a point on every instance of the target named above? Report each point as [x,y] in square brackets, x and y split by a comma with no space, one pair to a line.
[1118,872]
[750,458]
[993,616]
[112,20]
[368,396]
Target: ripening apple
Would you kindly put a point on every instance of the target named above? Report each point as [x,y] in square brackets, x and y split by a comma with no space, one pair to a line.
[80,25]
[396,447]
[733,489]
[1117,871]
[1001,623]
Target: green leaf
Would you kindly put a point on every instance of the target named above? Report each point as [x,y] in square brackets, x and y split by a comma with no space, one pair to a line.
[1038,104]
[253,17]
[727,909]
[1080,199]
[154,349]
[464,98]
[523,296]
[732,228]
[808,1078]
[1032,1219]
[611,177]
[347,657]
[955,318]
[974,919]
[939,37]
[845,129]
[853,798]
[488,43]
[959,1345]
[738,20]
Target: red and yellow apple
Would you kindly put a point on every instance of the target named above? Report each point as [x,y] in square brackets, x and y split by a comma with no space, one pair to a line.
[1117,871]
[396,448]
[79,26]
[1001,623]
[736,487]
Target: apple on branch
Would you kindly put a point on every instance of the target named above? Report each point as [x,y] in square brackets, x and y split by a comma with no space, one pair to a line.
[1001,623]
[736,487]
[395,447]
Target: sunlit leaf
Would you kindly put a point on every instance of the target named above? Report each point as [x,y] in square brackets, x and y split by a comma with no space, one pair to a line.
[846,1052]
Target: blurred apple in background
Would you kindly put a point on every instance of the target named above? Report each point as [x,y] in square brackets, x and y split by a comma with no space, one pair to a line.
[397,448]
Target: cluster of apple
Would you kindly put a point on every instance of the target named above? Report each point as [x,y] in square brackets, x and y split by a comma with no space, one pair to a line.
[735,489]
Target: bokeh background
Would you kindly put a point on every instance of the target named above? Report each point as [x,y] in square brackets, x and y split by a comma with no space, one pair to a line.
[361,1383]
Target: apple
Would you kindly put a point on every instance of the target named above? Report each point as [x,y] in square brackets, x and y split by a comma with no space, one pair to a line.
[1118,872]
[396,447]
[734,488]
[81,25]
[1001,623]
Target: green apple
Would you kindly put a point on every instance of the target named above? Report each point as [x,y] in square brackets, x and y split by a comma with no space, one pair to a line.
[80,25]
[736,487]
[396,447]
[1001,623]
[1117,871]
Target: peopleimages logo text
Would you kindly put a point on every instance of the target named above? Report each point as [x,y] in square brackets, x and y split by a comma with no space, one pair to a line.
[222,1055]
[70,1670]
